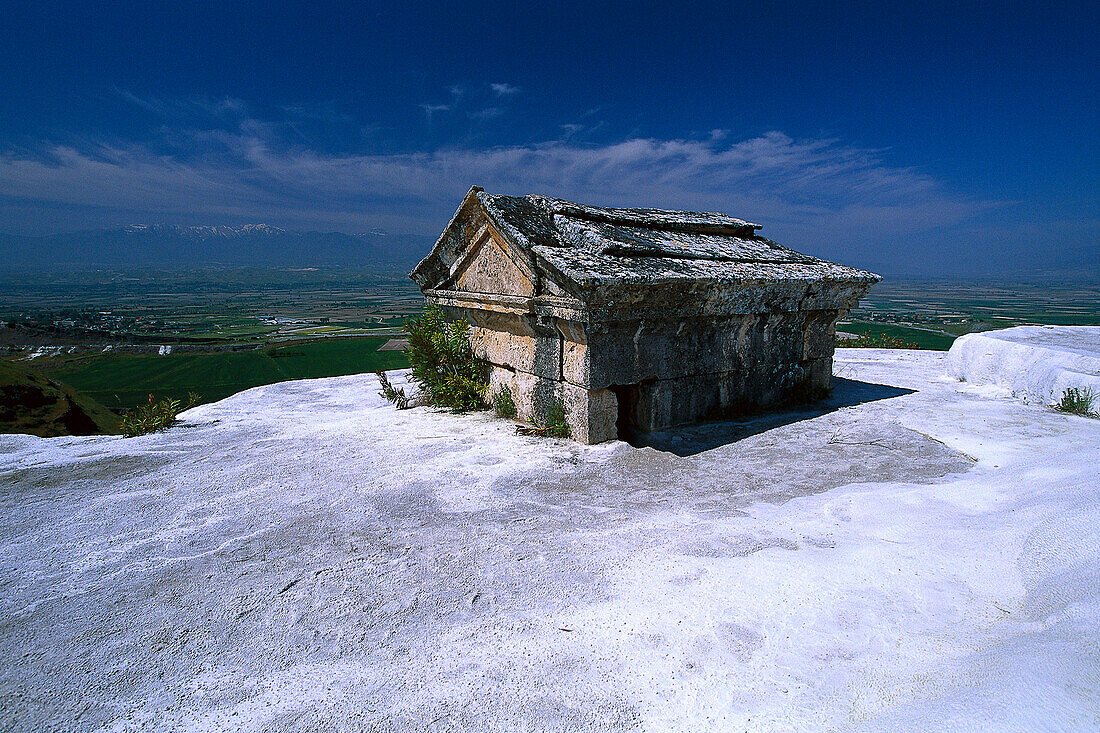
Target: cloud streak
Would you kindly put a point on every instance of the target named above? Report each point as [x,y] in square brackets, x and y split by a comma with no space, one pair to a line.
[818,194]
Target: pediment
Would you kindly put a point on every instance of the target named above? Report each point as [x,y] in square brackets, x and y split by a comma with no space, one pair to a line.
[478,253]
[488,267]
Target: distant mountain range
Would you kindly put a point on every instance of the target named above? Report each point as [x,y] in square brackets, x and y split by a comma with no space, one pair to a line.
[251,245]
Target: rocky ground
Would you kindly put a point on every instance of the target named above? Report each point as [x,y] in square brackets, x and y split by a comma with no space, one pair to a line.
[918,554]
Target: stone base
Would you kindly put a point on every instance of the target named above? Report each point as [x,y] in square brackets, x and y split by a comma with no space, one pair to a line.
[666,403]
[590,414]
[614,379]
[619,411]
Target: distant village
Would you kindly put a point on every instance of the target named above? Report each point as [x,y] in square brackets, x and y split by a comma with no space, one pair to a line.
[83,324]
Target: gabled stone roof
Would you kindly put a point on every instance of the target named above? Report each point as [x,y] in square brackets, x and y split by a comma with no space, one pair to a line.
[593,245]
[642,260]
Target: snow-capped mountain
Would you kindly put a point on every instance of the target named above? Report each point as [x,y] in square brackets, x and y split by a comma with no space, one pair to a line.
[206,232]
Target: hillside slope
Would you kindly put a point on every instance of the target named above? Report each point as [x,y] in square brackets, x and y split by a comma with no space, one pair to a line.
[33,404]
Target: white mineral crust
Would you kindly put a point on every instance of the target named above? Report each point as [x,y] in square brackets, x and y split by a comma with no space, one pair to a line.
[923,556]
[1035,363]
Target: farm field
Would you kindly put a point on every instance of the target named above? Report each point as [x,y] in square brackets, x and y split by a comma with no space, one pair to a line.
[121,381]
[931,313]
[202,307]
[923,338]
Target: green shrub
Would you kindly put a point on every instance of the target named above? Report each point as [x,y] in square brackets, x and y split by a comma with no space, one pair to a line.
[154,415]
[555,427]
[555,420]
[443,365]
[1077,401]
[503,404]
[390,393]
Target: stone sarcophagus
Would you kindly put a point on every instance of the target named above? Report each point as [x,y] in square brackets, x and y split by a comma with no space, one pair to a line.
[636,319]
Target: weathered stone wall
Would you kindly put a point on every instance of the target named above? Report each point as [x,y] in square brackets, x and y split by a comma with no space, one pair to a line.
[704,369]
[633,352]
[670,372]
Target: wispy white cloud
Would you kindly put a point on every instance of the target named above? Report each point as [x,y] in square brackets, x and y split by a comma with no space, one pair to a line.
[433,108]
[475,106]
[819,194]
[186,107]
[487,113]
[457,92]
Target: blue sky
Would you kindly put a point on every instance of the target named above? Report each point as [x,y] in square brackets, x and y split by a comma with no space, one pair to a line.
[915,138]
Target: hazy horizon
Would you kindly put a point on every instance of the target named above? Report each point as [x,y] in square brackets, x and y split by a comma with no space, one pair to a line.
[163,249]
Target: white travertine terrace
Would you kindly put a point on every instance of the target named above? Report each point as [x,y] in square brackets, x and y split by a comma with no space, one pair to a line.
[918,554]
[1035,363]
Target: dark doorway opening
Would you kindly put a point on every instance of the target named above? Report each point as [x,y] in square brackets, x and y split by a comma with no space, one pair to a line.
[627,421]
